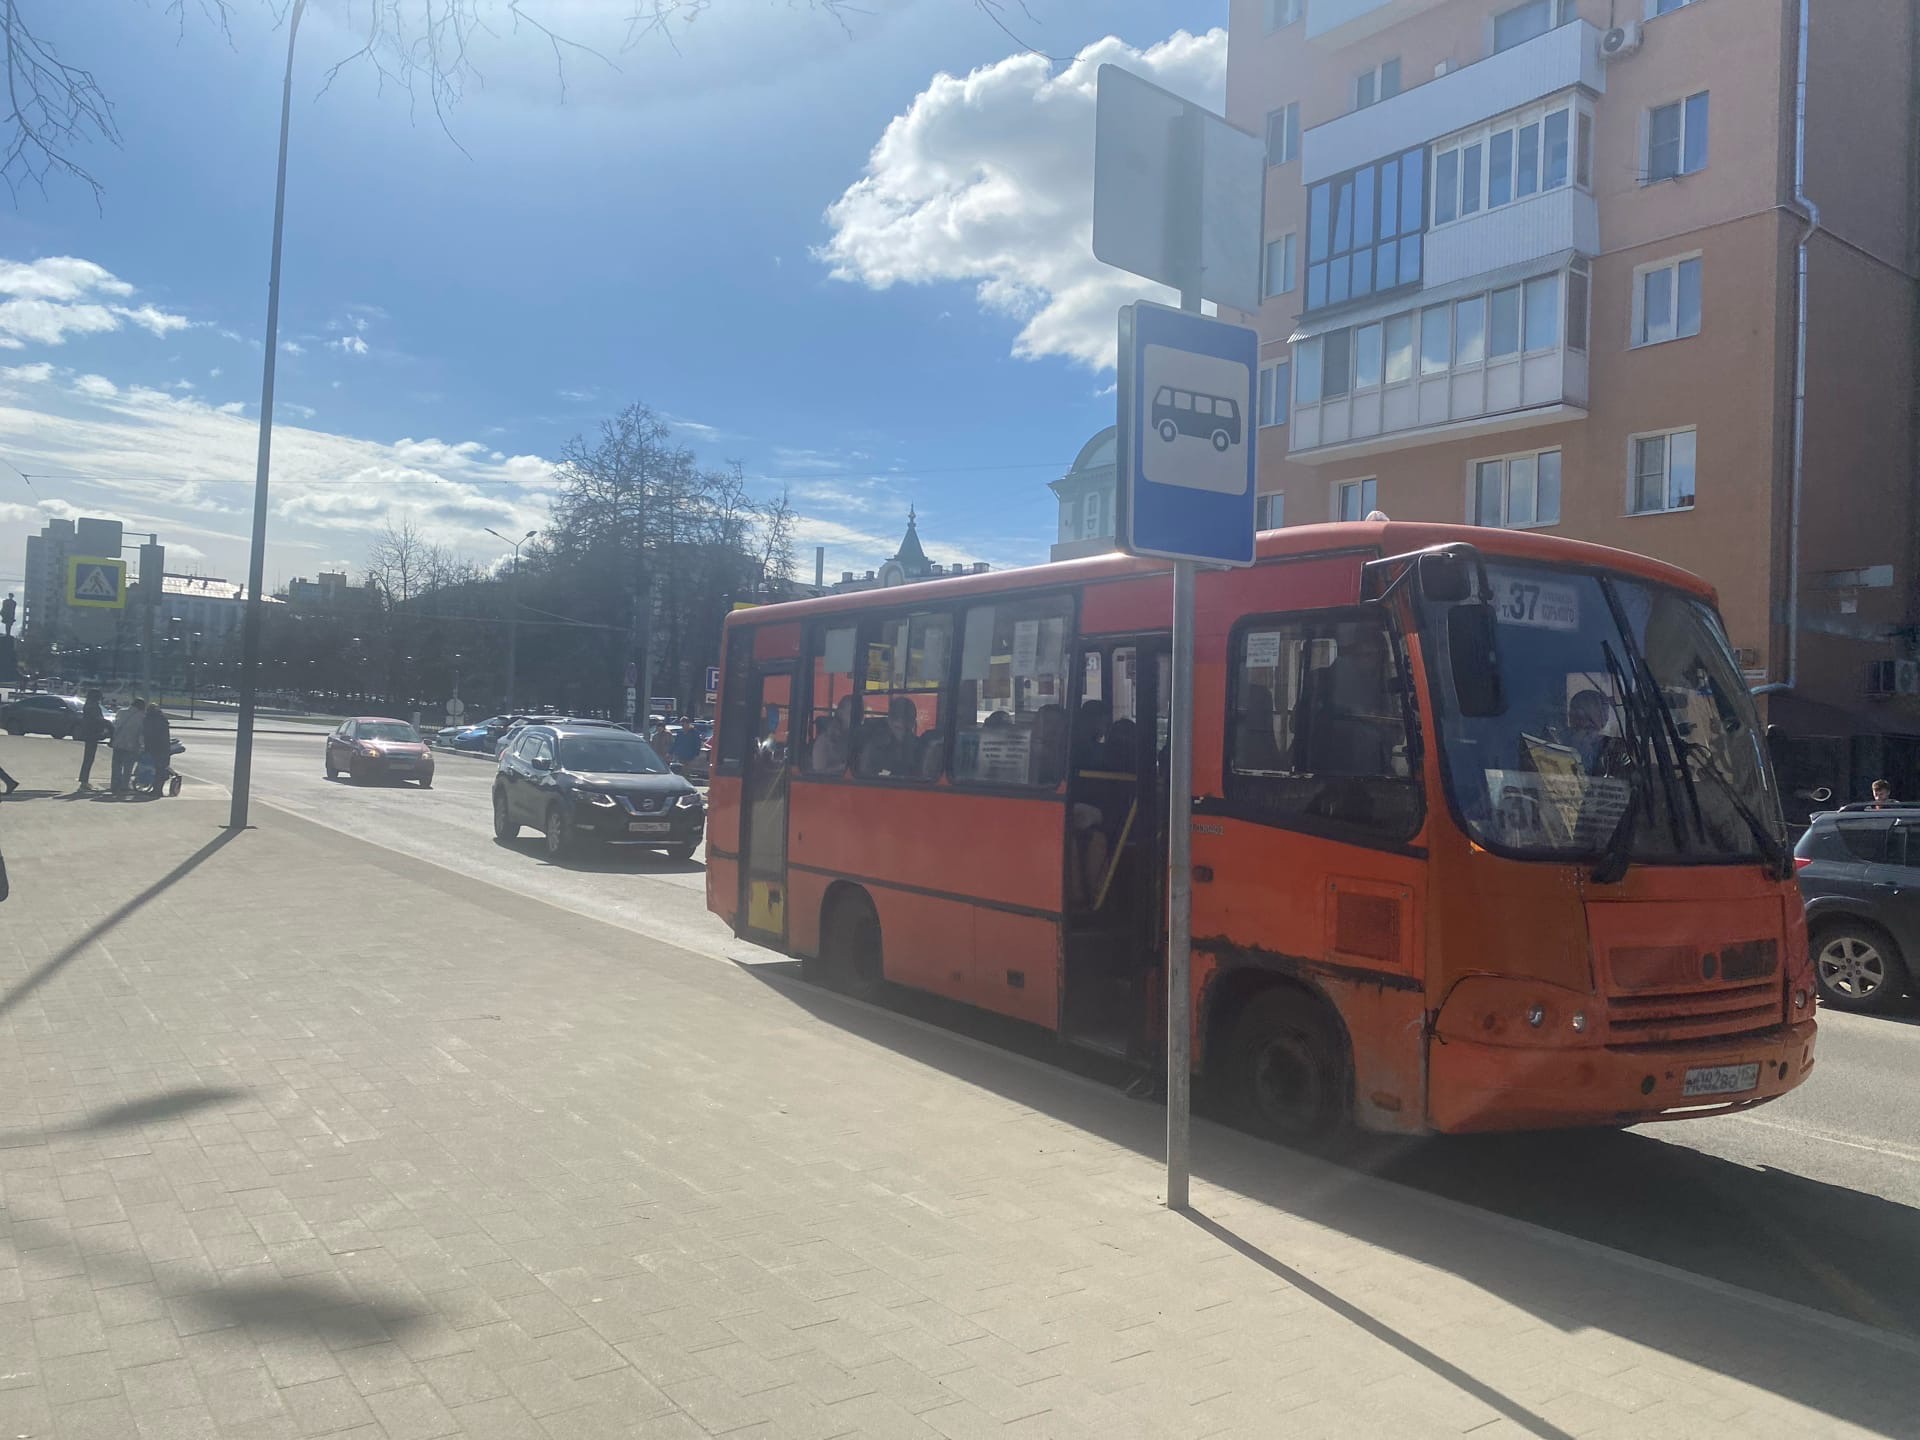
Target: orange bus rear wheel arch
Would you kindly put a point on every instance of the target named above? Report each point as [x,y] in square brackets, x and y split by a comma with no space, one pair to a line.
[850,958]
[1278,1057]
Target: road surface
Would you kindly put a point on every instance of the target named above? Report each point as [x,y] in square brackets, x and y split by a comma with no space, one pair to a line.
[1815,1198]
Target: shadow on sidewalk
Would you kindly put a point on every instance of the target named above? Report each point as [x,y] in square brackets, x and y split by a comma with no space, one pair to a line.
[1516,1412]
[165,1106]
[65,955]
[1768,1231]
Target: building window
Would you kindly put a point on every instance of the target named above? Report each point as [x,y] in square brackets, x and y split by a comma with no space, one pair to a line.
[1435,342]
[1677,138]
[1666,301]
[1274,379]
[1662,472]
[1399,345]
[1470,330]
[1269,511]
[1279,264]
[1542,323]
[1281,13]
[1523,22]
[1366,358]
[1095,519]
[1354,499]
[1657,8]
[1318,725]
[1283,134]
[1011,723]
[1511,158]
[1382,82]
[1503,328]
[1363,230]
[1577,286]
[1517,491]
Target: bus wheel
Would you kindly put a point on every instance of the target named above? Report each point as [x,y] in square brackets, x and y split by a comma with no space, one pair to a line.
[850,947]
[1221,440]
[1287,1069]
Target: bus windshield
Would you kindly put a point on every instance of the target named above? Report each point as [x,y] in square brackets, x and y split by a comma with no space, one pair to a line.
[1625,728]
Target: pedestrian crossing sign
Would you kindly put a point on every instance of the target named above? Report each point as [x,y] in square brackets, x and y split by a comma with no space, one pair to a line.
[95,583]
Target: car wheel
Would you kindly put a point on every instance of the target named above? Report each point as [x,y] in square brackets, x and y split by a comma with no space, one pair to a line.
[560,837]
[681,853]
[850,954]
[1857,967]
[427,783]
[504,829]
[356,772]
[1285,1069]
[1167,431]
[333,771]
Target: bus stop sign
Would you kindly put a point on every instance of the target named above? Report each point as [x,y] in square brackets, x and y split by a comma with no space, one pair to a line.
[1187,433]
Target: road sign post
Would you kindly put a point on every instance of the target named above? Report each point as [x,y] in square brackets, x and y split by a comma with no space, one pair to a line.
[1178,197]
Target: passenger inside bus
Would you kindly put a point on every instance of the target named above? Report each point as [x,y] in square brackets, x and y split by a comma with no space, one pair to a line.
[1049,745]
[830,746]
[1587,729]
[1090,736]
[1122,756]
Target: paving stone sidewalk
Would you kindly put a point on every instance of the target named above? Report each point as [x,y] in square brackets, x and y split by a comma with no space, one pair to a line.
[299,1137]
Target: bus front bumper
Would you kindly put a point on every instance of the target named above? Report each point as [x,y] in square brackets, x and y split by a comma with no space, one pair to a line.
[1473,1086]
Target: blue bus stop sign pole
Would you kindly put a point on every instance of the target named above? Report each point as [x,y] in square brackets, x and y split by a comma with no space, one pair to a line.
[1187,486]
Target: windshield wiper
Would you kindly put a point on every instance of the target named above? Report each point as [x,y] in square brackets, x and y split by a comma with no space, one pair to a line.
[1618,852]
[1773,850]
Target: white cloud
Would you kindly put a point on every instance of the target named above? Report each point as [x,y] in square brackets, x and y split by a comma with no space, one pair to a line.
[52,298]
[97,386]
[181,385]
[233,407]
[293,347]
[989,179]
[10,511]
[298,412]
[214,373]
[37,373]
[349,344]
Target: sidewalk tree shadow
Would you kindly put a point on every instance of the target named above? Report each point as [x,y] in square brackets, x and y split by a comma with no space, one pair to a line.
[168,1105]
[299,1307]
[27,792]
[67,953]
[1778,1235]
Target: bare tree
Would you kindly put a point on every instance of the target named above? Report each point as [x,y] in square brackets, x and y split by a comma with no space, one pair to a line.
[56,107]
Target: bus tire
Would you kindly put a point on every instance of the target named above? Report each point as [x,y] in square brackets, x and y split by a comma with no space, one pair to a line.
[1286,1069]
[850,954]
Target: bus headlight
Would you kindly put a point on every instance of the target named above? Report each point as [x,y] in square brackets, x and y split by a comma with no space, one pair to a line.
[1536,1015]
[1579,1022]
[1508,1010]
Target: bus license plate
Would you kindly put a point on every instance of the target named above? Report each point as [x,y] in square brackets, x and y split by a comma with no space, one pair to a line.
[1721,1079]
[662,827]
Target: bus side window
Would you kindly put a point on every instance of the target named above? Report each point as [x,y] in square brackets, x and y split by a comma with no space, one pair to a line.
[736,724]
[1318,727]
[903,728]
[1011,723]
[827,741]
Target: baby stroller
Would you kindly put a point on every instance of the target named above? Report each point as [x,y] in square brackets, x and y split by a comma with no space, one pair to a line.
[144,780]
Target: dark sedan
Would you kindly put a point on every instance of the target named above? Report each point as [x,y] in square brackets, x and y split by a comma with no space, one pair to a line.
[372,747]
[55,715]
[594,784]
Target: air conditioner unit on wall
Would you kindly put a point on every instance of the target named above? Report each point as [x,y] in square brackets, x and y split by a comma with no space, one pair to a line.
[1620,41]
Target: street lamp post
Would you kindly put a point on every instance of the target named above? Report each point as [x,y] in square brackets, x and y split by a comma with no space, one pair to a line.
[257,561]
[513,607]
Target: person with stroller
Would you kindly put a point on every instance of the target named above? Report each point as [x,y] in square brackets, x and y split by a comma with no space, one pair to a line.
[128,723]
[156,736]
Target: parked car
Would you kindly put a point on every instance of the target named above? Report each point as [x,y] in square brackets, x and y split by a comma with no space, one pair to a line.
[55,715]
[1859,873]
[594,783]
[376,747]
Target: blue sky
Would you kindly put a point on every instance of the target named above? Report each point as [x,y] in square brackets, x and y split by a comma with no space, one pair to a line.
[854,262]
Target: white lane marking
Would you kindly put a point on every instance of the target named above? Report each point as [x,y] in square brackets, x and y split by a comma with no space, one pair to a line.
[1851,1142]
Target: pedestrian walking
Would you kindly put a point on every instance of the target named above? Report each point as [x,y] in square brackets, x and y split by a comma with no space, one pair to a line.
[156,737]
[129,724]
[8,781]
[93,729]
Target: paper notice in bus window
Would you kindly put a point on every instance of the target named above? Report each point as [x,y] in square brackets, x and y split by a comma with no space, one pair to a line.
[1263,650]
[1555,811]
[838,652]
[976,651]
[1002,756]
[1026,647]
[1541,604]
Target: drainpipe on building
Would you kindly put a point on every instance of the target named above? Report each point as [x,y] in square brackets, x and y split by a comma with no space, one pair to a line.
[1810,212]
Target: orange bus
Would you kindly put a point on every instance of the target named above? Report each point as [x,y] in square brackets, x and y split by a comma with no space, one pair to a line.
[1485,834]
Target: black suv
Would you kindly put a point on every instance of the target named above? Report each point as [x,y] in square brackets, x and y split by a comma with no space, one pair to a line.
[1859,873]
[586,782]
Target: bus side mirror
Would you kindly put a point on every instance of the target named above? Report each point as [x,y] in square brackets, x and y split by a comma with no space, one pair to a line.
[1445,578]
[1474,651]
